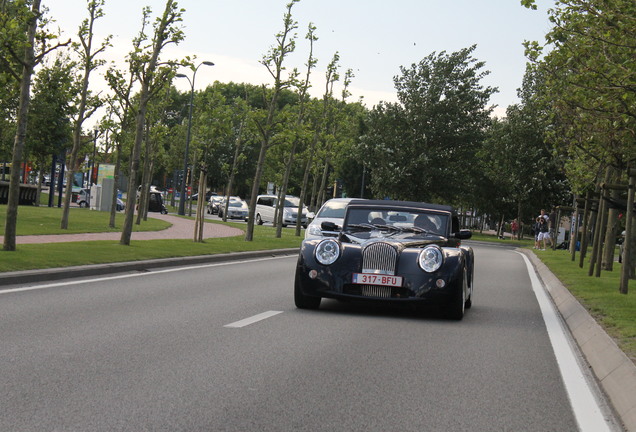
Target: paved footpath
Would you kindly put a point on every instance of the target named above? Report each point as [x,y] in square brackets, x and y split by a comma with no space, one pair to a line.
[181,229]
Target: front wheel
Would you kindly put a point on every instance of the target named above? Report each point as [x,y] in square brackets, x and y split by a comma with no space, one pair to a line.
[259,221]
[301,300]
[457,304]
[471,291]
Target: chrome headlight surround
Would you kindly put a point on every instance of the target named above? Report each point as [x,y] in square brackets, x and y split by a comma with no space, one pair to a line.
[431,259]
[327,251]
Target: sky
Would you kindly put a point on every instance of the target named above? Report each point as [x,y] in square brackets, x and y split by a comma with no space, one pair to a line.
[374,38]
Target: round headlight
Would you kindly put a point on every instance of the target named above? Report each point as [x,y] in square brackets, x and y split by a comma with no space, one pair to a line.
[327,251]
[431,259]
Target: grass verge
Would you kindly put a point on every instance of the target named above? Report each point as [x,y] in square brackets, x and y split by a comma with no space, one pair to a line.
[614,311]
[52,255]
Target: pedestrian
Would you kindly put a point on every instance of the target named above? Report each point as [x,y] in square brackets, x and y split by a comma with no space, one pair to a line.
[514,227]
[544,232]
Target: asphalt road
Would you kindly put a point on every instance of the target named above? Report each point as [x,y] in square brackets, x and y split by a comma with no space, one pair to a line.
[171,351]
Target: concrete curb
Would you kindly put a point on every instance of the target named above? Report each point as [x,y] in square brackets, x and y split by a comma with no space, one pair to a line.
[44,275]
[615,372]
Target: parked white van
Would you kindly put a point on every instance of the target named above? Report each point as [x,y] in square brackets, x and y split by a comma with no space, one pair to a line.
[266,209]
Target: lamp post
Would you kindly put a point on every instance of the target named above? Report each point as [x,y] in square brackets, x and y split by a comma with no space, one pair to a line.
[95,131]
[89,181]
[181,210]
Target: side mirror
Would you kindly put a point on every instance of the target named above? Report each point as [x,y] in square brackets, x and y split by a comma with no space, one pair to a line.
[463,234]
[329,226]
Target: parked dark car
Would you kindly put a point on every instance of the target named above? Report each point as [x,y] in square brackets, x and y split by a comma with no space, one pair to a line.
[155,203]
[390,251]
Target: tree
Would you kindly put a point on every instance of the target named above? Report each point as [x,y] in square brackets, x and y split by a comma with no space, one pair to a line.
[418,149]
[50,114]
[273,61]
[16,21]
[152,77]
[297,135]
[87,104]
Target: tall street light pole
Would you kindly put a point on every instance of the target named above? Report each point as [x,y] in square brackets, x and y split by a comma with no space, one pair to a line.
[182,200]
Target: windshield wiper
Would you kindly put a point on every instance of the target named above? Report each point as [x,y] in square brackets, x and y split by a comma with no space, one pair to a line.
[369,227]
[415,229]
[360,227]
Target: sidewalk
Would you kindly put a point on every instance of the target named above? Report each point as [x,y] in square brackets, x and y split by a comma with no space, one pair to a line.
[181,229]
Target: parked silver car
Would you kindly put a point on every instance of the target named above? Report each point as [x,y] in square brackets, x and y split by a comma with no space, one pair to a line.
[332,210]
[236,209]
[266,210]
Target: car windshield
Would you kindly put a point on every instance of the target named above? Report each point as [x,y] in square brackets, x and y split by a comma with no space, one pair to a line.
[236,203]
[292,201]
[333,209]
[396,221]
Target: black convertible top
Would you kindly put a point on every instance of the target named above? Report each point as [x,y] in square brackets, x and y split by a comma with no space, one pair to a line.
[394,204]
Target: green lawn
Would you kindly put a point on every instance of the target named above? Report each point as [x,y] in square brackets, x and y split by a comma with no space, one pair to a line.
[616,312]
[45,220]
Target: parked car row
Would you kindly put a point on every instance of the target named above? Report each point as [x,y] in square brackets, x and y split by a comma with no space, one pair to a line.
[265,209]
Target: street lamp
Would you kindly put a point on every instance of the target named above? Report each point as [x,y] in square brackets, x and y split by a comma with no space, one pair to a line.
[95,132]
[187,148]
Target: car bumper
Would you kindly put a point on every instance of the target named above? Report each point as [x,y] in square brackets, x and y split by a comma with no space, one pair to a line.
[336,281]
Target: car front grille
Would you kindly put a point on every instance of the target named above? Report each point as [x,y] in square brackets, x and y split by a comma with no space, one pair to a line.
[378,292]
[379,258]
[375,291]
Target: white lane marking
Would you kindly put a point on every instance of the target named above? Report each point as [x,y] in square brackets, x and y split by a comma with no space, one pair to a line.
[133,275]
[253,319]
[586,409]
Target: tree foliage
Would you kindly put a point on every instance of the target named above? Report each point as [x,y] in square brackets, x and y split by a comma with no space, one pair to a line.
[590,83]
[419,148]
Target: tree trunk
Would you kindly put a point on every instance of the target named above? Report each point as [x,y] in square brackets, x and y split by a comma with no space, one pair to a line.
[113,208]
[627,268]
[610,235]
[200,217]
[281,202]
[21,131]
[146,179]
[589,223]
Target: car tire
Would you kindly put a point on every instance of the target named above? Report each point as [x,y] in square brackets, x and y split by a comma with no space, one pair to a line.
[457,304]
[83,204]
[469,300]
[259,221]
[301,300]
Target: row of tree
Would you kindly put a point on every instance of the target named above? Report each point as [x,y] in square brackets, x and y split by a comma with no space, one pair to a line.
[588,69]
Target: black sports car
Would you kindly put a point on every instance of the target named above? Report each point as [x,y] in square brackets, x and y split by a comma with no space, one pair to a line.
[392,251]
